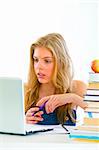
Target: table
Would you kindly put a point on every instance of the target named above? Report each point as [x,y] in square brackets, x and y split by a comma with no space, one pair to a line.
[42,141]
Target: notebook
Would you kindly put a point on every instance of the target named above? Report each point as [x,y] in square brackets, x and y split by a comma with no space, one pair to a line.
[12,113]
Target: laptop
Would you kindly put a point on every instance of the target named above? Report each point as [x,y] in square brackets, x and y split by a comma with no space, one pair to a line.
[12,112]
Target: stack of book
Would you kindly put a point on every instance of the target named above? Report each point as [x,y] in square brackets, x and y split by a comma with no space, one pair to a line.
[90,127]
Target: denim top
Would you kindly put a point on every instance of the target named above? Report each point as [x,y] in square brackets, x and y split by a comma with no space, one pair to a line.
[51,119]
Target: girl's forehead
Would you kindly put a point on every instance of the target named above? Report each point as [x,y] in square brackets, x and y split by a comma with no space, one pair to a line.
[42,51]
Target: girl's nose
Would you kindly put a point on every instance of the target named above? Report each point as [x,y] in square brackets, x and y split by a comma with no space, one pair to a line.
[39,65]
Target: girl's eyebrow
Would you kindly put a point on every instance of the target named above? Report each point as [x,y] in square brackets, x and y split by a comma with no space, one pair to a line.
[43,57]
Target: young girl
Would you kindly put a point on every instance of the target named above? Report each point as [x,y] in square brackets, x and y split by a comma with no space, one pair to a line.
[50,80]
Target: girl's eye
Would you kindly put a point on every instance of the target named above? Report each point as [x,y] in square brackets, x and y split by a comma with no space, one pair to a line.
[35,59]
[48,61]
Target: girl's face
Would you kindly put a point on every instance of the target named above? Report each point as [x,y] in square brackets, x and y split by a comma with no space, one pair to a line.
[43,64]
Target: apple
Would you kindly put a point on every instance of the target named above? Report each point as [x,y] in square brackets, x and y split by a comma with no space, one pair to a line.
[95,65]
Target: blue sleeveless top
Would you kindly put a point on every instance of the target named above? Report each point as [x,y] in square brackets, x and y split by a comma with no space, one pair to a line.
[51,119]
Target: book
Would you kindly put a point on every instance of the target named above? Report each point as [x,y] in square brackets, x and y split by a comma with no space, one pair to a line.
[91,98]
[86,132]
[92,104]
[89,129]
[84,128]
[92,92]
[88,109]
[93,85]
[93,77]
[86,140]
[91,122]
[91,114]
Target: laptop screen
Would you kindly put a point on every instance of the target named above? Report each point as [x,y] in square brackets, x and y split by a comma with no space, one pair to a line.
[12,117]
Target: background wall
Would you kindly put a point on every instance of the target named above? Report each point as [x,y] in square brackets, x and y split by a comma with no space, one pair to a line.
[23,21]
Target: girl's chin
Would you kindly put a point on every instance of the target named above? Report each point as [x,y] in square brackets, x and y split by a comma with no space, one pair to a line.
[42,81]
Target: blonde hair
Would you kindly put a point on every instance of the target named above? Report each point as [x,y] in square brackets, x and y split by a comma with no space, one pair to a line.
[62,76]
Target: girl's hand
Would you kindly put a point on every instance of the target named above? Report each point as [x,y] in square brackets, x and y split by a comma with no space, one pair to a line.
[57,100]
[32,116]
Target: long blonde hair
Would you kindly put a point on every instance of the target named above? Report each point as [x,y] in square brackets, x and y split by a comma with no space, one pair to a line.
[62,76]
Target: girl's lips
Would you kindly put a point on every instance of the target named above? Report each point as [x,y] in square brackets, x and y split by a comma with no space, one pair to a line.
[40,75]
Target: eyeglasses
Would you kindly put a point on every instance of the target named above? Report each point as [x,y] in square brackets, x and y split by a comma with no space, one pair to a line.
[67,131]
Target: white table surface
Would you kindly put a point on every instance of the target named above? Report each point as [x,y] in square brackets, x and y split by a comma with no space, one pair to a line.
[42,141]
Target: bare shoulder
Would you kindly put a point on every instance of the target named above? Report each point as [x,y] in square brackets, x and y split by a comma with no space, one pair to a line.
[78,87]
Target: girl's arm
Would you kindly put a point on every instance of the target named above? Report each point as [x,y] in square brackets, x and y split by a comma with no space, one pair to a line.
[78,87]
[75,97]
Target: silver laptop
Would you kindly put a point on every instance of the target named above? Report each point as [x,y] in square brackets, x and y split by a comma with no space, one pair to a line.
[12,114]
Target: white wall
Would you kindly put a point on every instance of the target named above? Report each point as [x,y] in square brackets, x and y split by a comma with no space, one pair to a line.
[23,21]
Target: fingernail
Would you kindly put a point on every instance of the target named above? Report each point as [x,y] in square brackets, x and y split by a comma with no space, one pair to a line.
[42,119]
[33,114]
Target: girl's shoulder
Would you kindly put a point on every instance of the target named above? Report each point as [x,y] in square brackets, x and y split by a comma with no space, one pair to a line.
[78,87]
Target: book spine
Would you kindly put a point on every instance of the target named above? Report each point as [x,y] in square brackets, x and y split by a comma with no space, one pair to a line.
[90,97]
[95,110]
[91,115]
[91,137]
[86,100]
[93,77]
[93,85]
[91,121]
[92,92]
[92,104]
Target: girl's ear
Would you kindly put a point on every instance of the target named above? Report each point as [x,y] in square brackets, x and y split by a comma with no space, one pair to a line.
[79,87]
